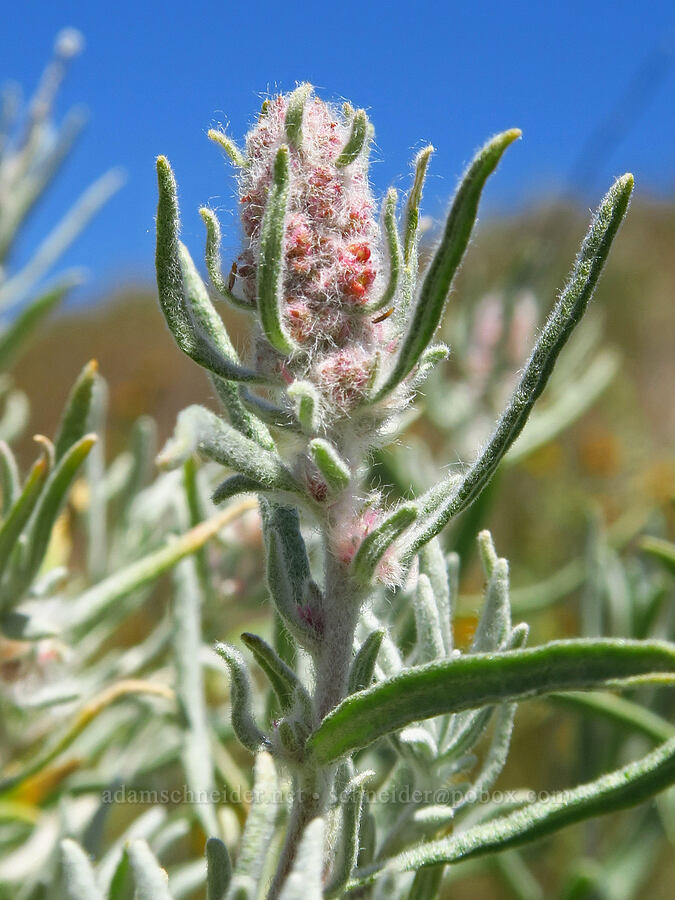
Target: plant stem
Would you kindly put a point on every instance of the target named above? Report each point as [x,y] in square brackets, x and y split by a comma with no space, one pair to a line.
[312,787]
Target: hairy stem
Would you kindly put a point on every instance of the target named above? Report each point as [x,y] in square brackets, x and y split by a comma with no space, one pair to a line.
[341,612]
[312,787]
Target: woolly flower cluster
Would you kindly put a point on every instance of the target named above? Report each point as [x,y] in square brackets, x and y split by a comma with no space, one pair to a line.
[332,262]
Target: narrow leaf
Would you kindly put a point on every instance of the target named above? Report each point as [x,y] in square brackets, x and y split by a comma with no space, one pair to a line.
[395,259]
[617,790]
[305,879]
[363,668]
[79,880]
[236,156]
[271,258]
[20,512]
[434,566]
[294,112]
[288,572]
[431,301]
[412,215]
[75,418]
[330,464]
[187,642]
[236,484]
[213,261]
[188,333]
[266,411]
[307,404]
[620,711]
[482,679]
[15,337]
[496,756]
[10,483]
[45,514]
[494,626]
[660,549]
[348,849]
[218,869]
[375,545]
[430,644]
[150,879]
[261,818]
[356,140]
[426,884]
[89,712]
[447,500]
[284,681]
[198,428]
[92,603]
[241,700]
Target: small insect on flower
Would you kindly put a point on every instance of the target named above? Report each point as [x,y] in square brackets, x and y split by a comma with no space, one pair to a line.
[383,316]
[232,276]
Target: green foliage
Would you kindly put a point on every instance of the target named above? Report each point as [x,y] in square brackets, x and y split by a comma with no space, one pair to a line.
[362,685]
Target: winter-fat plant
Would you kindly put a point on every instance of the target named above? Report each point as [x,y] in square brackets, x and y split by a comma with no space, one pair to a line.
[362,591]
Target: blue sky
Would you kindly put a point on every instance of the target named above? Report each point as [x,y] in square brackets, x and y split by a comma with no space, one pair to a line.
[156,76]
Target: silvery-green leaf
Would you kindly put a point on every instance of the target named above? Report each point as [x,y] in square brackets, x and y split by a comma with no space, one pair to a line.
[478,680]
[79,880]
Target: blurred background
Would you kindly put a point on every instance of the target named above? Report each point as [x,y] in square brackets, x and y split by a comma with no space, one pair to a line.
[592,85]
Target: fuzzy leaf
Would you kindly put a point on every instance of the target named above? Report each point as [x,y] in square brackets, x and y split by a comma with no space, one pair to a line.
[283,679]
[307,404]
[236,484]
[237,158]
[271,259]
[288,572]
[46,511]
[448,498]
[266,411]
[20,512]
[213,261]
[10,483]
[150,879]
[494,626]
[188,331]
[347,852]
[356,141]
[496,756]
[199,429]
[15,337]
[623,788]
[73,425]
[473,681]
[330,464]
[241,700]
[304,881]
[261,818]
[92,603]
[662,550]
[412,215]
[218,869]
[363,668]
[620,711]
[430,644]
[375,545]
[187,642]
[434,566]
[294,113]
[79,880]
[395,259]
[426,883]
[89,712]
[430,358]
[431,301]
